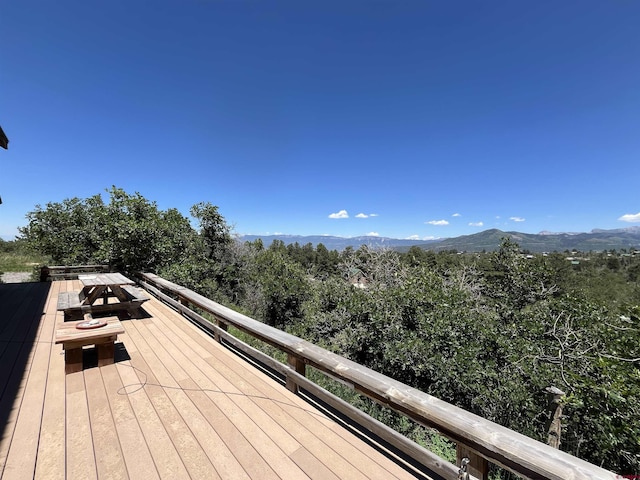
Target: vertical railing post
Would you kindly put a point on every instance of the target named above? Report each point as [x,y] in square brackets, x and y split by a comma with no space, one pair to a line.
[222,326]
[554,427]
[477,467]
[298,365]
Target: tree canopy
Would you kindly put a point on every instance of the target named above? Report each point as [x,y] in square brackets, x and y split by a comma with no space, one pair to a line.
[128,232]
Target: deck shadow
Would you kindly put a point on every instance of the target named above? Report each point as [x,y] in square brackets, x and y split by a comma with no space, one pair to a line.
[123,315]
[22,306]
[138,314]
[90,356]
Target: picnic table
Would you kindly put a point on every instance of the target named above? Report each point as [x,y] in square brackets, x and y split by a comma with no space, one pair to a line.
[105,286]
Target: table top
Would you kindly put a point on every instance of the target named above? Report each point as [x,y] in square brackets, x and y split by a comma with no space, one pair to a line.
[98,279]
[67,331]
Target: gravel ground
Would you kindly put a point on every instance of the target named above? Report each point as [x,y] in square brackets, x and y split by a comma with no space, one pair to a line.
[16,277]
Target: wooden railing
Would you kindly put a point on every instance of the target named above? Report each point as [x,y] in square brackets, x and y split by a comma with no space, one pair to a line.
[66,272]
[477,439]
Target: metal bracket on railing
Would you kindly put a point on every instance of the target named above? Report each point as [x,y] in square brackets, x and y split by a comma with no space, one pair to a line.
[463,473]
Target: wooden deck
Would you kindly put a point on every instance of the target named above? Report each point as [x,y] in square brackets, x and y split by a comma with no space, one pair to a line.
[176,404]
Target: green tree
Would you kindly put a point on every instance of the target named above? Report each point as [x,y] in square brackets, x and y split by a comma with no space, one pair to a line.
[67,232]
[213,229]
[517,280]
[136,235]
[326,262]
[129,232]
[283,287]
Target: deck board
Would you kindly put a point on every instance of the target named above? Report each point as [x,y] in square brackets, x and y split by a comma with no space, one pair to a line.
[24,375]
[174,412]
[204,415]
[166,458]
[176,404]
[137,456]
[27,425]
[230,401]
[80,459]
[273,442]
[107,450]
[51,447]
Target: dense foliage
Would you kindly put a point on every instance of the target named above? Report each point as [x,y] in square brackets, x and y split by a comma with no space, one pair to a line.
[487,332]
[128,233]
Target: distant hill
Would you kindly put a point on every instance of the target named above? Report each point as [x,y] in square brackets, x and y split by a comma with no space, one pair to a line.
[488,240]
[337,243]
[597,240]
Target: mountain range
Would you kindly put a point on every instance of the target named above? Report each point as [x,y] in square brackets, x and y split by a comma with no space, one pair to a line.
[487,240]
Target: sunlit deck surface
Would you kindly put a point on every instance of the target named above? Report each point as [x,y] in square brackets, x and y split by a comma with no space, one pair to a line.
[175,404]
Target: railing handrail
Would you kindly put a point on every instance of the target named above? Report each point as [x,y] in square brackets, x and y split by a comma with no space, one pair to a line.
[516,452]
[48,272]
[72,268]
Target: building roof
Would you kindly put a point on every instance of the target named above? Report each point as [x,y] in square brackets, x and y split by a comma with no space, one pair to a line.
[4,141]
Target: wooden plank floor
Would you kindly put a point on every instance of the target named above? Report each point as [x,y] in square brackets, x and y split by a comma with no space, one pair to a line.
[174,405]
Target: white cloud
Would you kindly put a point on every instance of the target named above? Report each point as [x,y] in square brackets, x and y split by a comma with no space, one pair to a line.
[631,218]
[373,234]
[456,215]
[437,222]
[418,237]
[365,215]
[517,219]
[340,214]
[476,224]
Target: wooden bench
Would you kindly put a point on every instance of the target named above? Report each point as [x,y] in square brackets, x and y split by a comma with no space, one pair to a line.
[73,339]
[135,294]
[68,300]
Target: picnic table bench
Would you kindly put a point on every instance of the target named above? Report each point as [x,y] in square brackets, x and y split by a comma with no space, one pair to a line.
[72,338]
[134,294]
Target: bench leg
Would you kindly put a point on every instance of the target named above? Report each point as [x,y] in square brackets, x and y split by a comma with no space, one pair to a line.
[106,353]
[73,360]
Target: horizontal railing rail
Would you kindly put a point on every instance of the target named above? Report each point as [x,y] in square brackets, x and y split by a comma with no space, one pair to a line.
[68,272]
[478,439]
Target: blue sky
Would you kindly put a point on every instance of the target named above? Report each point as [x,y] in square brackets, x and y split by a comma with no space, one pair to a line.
[397,118]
